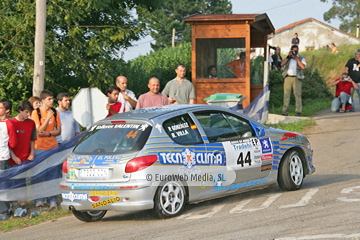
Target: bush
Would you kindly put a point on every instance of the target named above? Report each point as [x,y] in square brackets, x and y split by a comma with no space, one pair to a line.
[314,87]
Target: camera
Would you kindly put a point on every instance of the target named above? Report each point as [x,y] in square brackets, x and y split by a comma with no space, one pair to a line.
[346,79]
[293,52]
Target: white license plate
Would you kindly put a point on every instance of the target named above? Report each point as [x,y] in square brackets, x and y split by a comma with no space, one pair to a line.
[94,172]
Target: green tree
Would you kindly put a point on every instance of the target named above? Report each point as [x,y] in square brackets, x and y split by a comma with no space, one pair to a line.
[171,15]
[82,39]
[347,11]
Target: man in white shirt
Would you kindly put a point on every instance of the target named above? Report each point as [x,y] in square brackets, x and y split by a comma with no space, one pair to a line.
[293,75]
[70,127]
[126,96]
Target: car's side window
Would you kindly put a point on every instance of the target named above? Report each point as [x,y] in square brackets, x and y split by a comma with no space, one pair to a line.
[220,126]
[182,130]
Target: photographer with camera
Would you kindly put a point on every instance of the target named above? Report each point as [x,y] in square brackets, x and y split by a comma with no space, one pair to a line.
[344,86]
[293,74]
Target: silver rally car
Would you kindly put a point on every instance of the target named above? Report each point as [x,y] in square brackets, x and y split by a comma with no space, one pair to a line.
[163,158]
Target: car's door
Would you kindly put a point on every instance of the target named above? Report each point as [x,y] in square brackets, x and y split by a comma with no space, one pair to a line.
[242,147]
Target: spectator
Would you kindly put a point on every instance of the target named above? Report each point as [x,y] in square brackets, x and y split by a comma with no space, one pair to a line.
[238,66]
[212,70]
[180,90]
[70,127]
[48,126]
[295,41]
[8,141]
[352,68]
[293,75]
[342,92]
[153,98]
[114,106]
[26,136]
[277,59]
[35,102]
[127,96]
[334,49]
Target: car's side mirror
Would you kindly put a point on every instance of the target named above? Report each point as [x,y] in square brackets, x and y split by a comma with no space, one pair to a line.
[259,131]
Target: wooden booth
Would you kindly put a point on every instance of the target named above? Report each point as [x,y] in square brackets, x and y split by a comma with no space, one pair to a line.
[219,40]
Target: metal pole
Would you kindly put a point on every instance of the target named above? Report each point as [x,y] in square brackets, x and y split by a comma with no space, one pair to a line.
[173,38]
[357,30]
[39,55]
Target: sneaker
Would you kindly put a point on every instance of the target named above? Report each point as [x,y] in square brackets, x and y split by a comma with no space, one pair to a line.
[20,212]
[39,204]
[53,206]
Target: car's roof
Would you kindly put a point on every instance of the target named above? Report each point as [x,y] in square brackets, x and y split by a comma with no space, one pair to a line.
[154,112]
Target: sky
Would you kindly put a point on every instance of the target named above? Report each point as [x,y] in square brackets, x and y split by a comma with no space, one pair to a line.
[280,13]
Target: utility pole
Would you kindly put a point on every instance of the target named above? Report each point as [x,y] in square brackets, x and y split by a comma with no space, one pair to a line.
[173,38]
[39,55]
[357,30]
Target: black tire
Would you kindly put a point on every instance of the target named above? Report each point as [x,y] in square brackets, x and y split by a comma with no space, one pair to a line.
[169,200]
[291,172]
[91,216]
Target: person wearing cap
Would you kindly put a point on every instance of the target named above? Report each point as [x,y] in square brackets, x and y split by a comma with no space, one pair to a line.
[342,93]
[352,68]
[126,96]
[180,90]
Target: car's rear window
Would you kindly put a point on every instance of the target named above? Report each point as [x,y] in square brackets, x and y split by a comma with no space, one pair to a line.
[114,138]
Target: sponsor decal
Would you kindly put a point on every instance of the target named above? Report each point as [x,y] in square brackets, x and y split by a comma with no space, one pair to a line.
[103,193]
[94,159]
[245,184]
[189,158]
[141,127]
[72,174]
[266,145]
[266,167]
[290,136]
[193,126]
[75,186]
[105,202]
[219,181]
[266,157]
[158,127]
[74,196]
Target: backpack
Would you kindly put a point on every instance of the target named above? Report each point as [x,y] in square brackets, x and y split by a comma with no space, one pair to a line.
[53,109]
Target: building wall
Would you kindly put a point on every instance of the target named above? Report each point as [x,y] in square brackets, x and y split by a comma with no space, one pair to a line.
[312,34]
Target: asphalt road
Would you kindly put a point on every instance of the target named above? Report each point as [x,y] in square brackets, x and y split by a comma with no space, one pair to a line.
[326,207]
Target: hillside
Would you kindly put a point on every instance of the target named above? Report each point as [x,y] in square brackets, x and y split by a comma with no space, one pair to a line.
[330,65]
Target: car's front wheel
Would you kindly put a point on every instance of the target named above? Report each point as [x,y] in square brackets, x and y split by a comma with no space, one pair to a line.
[91,216]
[291,172]
[169,199]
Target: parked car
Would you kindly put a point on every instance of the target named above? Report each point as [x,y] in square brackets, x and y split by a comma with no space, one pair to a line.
[163,158]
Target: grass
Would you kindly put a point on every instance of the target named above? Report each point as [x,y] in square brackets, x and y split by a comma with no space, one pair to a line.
[14,223]
[294,126]
[310,107]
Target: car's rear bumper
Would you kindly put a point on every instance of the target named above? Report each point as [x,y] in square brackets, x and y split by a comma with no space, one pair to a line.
[110,196]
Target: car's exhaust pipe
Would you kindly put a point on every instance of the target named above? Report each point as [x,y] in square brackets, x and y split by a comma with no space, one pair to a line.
[72,208]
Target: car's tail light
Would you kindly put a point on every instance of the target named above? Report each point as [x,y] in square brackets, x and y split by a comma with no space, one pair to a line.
[94,198]
[140,163]
[65,167]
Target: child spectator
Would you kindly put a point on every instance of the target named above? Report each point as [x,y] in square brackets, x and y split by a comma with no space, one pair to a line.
[8,141]
[48,126]
[35,101]
[26,136]
[334,49]
[114,106]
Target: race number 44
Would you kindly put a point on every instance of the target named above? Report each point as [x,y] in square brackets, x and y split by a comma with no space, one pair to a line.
[242,160]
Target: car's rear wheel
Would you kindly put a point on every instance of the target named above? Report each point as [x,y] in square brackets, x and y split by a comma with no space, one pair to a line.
[91,216]
[291,171]
[169,200]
